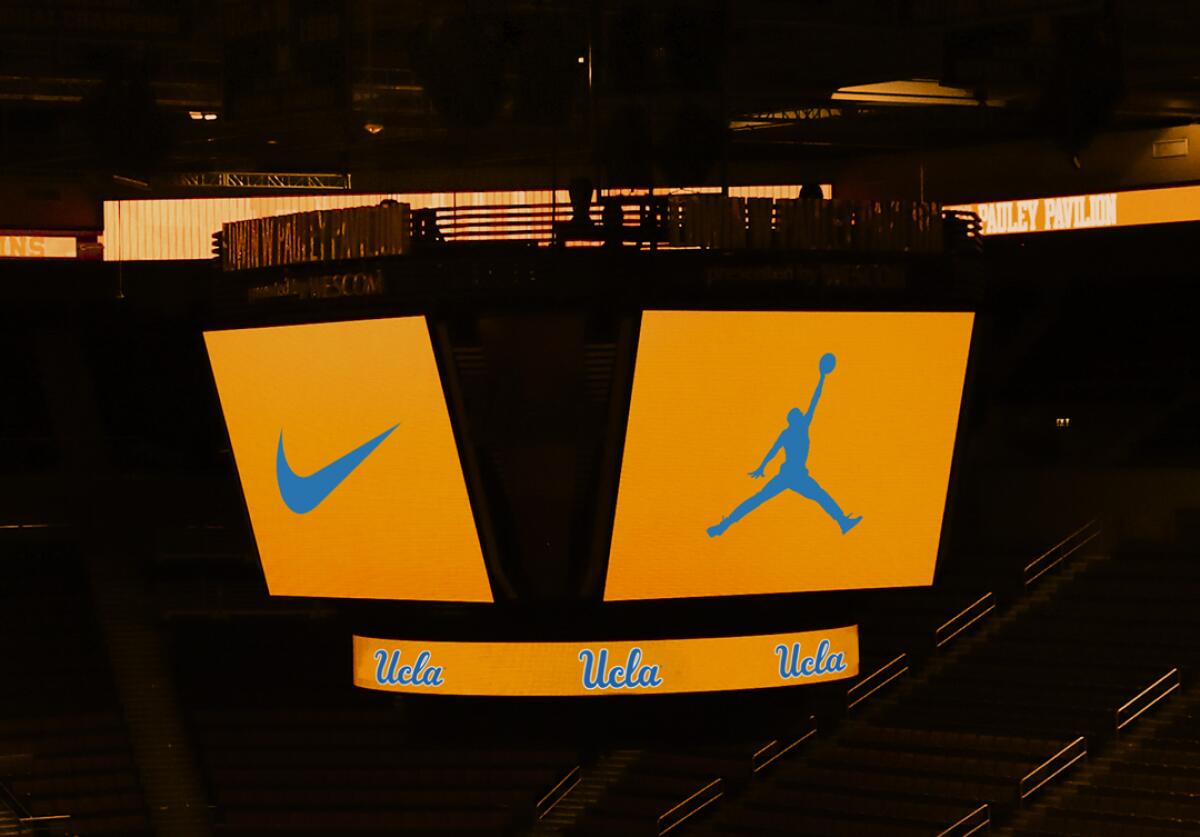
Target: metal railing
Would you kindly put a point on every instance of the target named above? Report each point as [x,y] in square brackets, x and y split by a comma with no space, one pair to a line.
[57,825]
[639,220]
[1129,711]
[28,825]
[964,230]
[8,799]
[876,680]
[964,619]
[978,820]
[705,221]
[683,811]
[1058,553]
[775,749]
[1052,767]
[557,793]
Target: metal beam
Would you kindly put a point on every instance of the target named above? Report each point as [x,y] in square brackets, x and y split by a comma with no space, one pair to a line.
[262,180]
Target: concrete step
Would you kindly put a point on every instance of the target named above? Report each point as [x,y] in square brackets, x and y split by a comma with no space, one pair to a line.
[10,825]
[593,785]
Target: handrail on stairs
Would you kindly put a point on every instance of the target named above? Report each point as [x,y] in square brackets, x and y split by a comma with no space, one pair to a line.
[876,680]
[964,619]
[29,825]
[557,793]
[1062,550]
[775,749]
[974,822]
[683,811]
[1133,708]
[1052,767]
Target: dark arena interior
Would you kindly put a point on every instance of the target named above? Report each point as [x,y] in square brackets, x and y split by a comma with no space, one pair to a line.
[724,418]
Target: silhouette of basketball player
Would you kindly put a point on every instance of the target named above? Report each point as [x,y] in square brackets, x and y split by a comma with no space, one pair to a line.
[793,474]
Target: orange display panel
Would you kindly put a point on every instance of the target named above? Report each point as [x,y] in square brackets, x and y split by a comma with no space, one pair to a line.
[660,666]
[348,462]
[778,452]
[1137,207]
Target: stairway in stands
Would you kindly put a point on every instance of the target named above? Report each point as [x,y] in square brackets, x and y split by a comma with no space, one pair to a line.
[166,763]
[64,745]
[1006,720]
[1145,783]
[10,825]
[594,783]
[1146,780]
[890,770]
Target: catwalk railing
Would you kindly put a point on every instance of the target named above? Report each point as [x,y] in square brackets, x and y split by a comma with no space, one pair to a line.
[695,221]
[708,222]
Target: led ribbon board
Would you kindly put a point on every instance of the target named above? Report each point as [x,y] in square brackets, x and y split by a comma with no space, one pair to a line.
[347,460]
[662,666]
[1137,207]
[780,452]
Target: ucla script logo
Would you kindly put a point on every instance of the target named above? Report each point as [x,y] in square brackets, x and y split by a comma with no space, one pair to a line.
[389,672]
[792,665]
[633,675]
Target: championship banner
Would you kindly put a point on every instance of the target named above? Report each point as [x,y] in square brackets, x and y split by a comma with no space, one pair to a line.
[563,669]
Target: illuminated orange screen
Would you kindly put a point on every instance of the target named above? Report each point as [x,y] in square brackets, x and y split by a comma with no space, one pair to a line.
[348,462]
[852,497]
[655,666]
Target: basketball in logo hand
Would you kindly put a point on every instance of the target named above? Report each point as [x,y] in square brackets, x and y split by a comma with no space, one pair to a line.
[828,361]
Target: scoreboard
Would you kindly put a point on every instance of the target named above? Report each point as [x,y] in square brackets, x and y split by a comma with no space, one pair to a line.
[617,494]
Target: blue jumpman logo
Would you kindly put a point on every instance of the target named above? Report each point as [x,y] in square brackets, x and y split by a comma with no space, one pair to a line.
[793,474]
[303,494]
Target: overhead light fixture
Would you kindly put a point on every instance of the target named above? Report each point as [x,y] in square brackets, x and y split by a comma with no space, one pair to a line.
[206,115]
[581,60]
[209,116]
[372,127]
[912,92]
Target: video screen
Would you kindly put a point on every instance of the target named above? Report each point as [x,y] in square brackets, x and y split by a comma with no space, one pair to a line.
[785,452]
[347,460]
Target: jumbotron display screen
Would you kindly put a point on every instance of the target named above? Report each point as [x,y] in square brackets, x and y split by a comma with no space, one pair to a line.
[784,452]
[348,462]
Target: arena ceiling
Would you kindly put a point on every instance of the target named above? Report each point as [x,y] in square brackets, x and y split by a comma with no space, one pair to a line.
[144,91]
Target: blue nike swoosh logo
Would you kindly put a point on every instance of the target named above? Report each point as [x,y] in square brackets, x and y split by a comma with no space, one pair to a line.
[303,494]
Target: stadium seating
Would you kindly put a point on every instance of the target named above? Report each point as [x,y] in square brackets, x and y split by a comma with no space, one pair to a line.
[297,751]
[64,747]
[1011,709]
